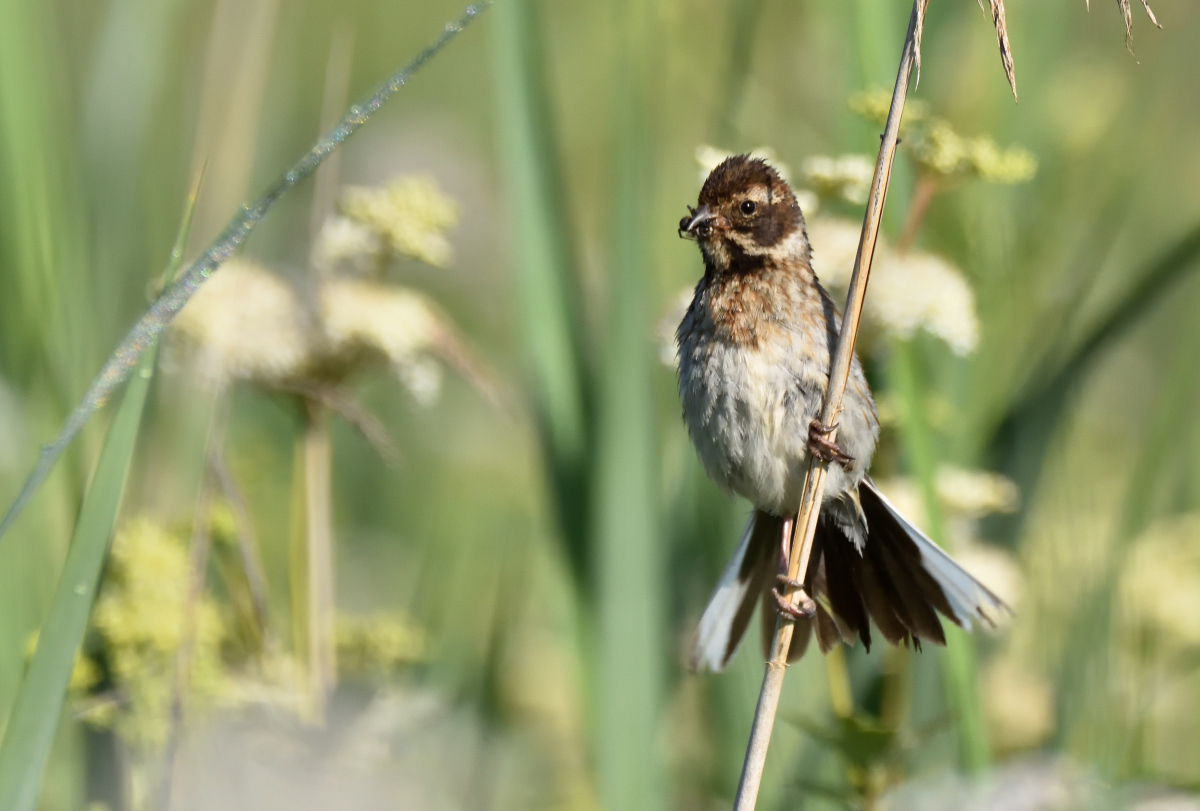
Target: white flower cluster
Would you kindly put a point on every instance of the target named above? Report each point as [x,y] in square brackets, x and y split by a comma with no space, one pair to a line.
[245,323]
[919,290]
[250,324]
[400,325]
[408,217]
[909,292]
[847,177]
[1160,588]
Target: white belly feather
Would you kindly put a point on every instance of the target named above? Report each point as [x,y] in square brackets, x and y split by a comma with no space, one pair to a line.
[748,412]
[748,416]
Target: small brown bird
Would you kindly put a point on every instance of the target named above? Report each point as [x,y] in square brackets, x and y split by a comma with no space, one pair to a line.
[754,356]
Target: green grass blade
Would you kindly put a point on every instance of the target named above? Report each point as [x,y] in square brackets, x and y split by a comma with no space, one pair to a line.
[35,715]
[744,16]
[544,269]
[151,325]
[962,685]
[630,607]
[34,719]
[1090,715]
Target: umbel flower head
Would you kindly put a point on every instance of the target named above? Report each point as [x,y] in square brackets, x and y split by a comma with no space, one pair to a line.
[847,177]
[938,149]
[1160,588]
[909,292]
[250,324]
[410,215]
[246,323]
[408,218]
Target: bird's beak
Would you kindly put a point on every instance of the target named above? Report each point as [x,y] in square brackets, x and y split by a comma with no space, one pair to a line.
[698,224]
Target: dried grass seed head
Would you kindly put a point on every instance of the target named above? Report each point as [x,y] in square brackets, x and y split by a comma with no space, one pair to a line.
[1127,16]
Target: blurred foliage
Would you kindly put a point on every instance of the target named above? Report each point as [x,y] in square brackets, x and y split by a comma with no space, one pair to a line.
[497,594]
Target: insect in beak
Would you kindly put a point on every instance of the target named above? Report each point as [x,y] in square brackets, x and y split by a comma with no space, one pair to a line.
[698,224]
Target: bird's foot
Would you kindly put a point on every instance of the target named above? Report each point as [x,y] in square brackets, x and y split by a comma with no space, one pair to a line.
[804,609]
[822,447]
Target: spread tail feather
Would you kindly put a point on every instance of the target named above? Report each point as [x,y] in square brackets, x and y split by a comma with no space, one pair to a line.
[901,580]
[964,599]
[747,576]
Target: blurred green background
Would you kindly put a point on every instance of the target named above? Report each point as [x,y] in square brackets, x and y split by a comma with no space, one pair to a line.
[513,590]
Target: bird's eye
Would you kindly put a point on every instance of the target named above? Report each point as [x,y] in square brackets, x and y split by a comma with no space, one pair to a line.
[748,207]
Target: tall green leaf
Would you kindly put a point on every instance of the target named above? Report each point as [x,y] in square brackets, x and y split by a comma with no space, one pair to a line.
[962,688]
[544,269]
[35,715]
[36,711]
[628,545]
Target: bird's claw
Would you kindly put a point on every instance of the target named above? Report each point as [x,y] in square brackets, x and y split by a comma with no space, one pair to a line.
[784,580]
[820,446]
[804,610]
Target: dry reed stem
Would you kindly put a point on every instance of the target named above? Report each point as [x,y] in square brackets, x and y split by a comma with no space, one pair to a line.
[814,486]
[1002,39]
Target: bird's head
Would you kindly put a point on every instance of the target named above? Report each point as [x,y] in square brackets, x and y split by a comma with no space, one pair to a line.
[746,214]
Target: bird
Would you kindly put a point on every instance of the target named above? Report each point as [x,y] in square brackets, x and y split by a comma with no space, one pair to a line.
[754,352]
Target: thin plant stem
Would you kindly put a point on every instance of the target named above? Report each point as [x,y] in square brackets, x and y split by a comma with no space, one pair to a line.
[298,587]
[318,527]
[248,547]
[337,89]
[926,189]
[841,695]
[198,556]
[150,326]
[814,487]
